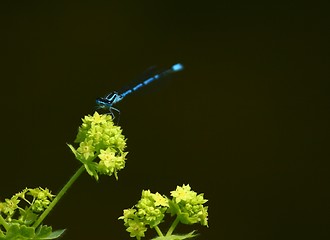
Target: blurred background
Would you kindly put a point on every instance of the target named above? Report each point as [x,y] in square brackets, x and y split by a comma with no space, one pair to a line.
[246,122]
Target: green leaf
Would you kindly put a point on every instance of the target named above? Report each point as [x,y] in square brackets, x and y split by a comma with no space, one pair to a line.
[17,231]
[21,232]
[173,208]
[55,234]
[91,169]
[177,237]
[28,216]
[45,232]
[73,150]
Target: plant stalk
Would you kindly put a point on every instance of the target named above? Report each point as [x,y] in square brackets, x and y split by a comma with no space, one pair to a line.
[158,231]
[4,223]
[59,196]
[173,226]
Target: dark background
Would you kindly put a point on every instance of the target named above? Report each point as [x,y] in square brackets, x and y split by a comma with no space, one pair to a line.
[247,122]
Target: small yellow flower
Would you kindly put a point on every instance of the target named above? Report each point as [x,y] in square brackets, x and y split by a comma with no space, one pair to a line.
[86,149]
[107,156]
[160,200]
[181,193]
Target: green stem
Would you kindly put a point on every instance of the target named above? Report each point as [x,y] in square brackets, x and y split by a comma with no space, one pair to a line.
[4,223]
[59,196]
[158,231]
[173,226]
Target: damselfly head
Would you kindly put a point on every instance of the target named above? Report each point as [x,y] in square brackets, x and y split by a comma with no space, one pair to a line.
[102,103]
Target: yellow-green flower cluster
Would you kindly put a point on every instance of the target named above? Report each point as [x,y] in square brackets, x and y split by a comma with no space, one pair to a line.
[37,199]
[151,208]
[188,206]
[134,225]
[98,137]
